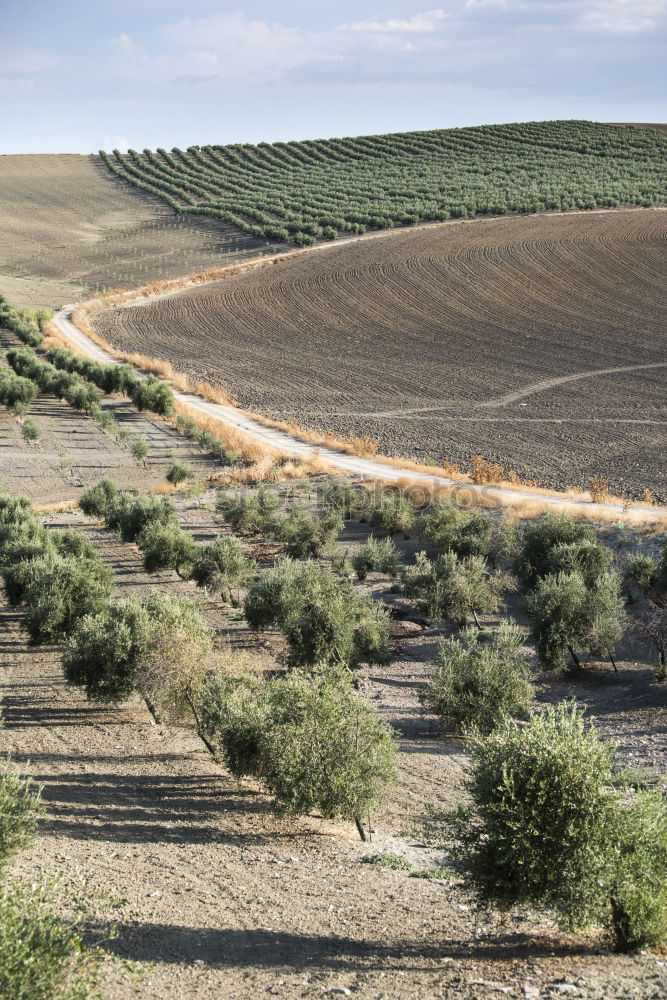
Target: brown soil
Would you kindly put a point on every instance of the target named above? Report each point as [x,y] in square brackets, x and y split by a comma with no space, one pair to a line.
[70,227]
[215,897]
[418,338]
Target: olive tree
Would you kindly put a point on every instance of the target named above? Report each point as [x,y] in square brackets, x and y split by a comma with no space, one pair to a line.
[310,741]
[61,589]
[220,566]
[544,828]
[157,647]
[450,587]
[166,546]
[569,616]
[477,684]
[322,619]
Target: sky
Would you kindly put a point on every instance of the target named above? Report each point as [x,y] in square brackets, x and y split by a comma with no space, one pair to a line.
[80,75]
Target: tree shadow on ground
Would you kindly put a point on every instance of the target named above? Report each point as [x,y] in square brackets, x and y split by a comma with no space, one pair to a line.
[99,806]
[260,947]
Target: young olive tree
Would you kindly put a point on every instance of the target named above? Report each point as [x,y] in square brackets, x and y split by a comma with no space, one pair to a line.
[393,515]
[569,617]
[540,537]
[476,685]
[376,556]
[449,587]
[324,621]
[221,566]
[451,527]
[545,829]
[96,501]
[166,546]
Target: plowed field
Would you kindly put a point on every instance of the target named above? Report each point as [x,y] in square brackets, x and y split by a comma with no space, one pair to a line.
[68,226]
[500,337]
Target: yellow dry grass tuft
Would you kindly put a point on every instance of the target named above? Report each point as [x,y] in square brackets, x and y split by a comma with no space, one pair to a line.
[55,508]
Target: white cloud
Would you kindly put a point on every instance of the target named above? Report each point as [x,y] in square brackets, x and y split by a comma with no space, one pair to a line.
[424,23]
[623,16]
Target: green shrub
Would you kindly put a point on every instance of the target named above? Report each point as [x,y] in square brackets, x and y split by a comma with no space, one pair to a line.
[638,883]
[30,430]
[392,861]
[16,393]
[344,498]
[451,527]
[248,513]
[541,536]
[476,685]
[376,557]
[569,617]
[642,570]
[140,450]
[179,472]
[393,514]
[166,546]
[322,619]
[129,515]
[449,587]
[152,394]
[304,534]
[220,566]
[545,828]
[95,501]
[19,810]
[586,557]
[42,955]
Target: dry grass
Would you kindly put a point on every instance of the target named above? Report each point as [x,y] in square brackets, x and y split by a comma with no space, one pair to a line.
[55,508]
[162,488]
[163,369]
[250,451]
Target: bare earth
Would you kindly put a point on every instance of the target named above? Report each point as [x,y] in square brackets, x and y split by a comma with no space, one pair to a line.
[213,897]
[495,337]
[70,227]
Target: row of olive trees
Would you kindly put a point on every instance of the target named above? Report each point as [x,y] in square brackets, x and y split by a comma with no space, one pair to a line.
[79,380]
[26,329]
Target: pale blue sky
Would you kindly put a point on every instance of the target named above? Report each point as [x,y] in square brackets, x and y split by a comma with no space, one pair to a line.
[77,75]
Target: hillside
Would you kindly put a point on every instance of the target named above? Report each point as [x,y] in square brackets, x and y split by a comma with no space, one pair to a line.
[412,338]
[302,191]
[69,227]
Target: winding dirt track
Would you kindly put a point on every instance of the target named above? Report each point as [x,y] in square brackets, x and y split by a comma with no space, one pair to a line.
[539,342]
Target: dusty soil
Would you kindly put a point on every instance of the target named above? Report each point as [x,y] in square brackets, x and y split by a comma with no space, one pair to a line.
[214,897]
[449,342]
[70,227]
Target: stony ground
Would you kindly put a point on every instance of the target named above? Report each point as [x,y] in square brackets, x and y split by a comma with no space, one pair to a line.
[213,896]
[210,893]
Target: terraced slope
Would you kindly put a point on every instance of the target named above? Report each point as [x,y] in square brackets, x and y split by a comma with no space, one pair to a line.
[68,226]
[450,341]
